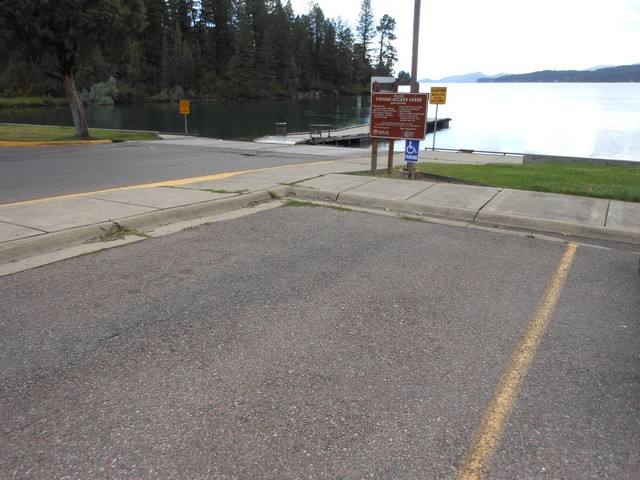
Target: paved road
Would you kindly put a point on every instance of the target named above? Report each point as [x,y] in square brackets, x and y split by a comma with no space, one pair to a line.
[315,343]
[31,173]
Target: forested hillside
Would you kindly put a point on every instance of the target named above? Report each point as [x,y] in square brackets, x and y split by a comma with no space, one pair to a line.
[624,73]
[168,49]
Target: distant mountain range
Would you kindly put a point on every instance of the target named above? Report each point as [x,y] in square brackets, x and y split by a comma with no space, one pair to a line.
[466,78]
[624,73]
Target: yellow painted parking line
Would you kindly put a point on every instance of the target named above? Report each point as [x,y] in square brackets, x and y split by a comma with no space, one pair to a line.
[487,436]
[63,143]
[168,183]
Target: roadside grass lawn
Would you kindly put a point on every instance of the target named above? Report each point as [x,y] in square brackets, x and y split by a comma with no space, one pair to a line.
[36,133]
[610,182]
[21,102]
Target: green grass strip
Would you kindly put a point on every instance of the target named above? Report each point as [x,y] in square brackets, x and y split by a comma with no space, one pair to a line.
[610,182]
[22,102]
[36,133]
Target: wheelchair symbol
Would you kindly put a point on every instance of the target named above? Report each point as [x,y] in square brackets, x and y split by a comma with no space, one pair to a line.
[411,149]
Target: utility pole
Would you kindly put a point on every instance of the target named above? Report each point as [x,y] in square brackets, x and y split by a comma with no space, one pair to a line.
[416,38]
[415,86]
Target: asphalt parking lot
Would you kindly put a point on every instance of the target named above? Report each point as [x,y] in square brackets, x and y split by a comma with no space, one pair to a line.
[318,343]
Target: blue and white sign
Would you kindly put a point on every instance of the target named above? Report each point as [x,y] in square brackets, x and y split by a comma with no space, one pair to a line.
[411,151]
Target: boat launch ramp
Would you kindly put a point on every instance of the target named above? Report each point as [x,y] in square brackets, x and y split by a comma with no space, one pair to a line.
[324,134]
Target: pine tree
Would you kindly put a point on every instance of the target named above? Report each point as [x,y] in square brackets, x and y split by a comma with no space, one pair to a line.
[152,40]
[281,40]
[388,55]
[329,56]
[217,18]
[404,78]
[345,47]
[59,36]
[242,67]
[180,13]
[257,16]
[305,67]
[366,31]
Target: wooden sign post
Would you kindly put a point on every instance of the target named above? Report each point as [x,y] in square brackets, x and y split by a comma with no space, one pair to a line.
[391,142]
[374,140]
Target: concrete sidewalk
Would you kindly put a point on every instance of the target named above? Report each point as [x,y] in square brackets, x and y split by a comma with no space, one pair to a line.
[37,232]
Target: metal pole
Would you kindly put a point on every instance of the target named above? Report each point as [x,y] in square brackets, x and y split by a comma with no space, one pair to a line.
[185,126]
[435,129]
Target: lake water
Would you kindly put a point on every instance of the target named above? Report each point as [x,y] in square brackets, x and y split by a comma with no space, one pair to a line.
[586,120]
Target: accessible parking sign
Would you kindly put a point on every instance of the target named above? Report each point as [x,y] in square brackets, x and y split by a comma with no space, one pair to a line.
[411,151]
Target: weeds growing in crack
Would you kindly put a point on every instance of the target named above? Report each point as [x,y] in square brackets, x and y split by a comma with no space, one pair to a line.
[300,203]
[119,232]
[411,218]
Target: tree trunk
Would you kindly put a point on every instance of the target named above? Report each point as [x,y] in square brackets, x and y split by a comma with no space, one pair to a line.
[77,111]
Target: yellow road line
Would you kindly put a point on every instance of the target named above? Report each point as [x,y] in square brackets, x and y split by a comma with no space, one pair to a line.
[62,143]
[168,183]
[490,429]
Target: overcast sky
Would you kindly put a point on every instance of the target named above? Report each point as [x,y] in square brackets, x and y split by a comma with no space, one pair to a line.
[504,36]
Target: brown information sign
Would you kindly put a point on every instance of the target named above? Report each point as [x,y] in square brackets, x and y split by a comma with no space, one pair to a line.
[399,116]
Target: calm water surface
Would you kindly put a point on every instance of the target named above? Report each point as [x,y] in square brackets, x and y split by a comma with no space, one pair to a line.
[586,120]
[590,120]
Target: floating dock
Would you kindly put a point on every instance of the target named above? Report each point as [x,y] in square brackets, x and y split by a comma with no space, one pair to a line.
[343,137]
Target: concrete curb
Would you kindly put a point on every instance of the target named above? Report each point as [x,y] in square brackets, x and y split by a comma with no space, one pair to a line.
[50,242]
[473,216]
[149,221]
[555,226]
[21,249]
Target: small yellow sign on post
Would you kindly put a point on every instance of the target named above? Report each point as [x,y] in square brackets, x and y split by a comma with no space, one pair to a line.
[438,96]
[185,109]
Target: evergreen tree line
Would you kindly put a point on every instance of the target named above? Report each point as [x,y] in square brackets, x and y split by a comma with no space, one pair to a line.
[217,49]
